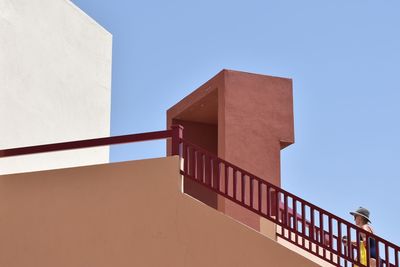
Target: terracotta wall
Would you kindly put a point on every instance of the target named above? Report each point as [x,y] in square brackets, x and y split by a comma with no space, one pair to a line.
[122,214]
[206,136]
[254,117]
[258,123]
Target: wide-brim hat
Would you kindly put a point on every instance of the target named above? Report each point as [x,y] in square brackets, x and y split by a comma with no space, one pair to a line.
[363,212]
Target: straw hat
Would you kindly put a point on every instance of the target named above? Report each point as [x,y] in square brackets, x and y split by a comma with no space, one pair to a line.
[363,212]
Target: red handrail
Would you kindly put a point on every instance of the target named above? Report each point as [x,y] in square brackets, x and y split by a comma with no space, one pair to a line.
[175,133]
[303,224]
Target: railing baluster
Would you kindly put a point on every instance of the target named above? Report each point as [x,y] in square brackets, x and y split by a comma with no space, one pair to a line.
[329,235]
[199,164]
[234,183]
[349,244]
[195,164]
[274,202]
[295,219]
[259,196]
[251,191]
[212,173]
[367,247]
[277,203]
[268,201]
[285,211]
[339,241]
[192,163]
[207,170]
[243,191]
[387,255]
[321,227]
[185,158]
[201,167]
[226,179]
[219,176]
[322,231]
[311,231]
[303,220]
[215,173]
[377,252]
[396,258]
[358,246]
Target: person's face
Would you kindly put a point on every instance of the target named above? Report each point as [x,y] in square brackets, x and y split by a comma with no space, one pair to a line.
[358,220]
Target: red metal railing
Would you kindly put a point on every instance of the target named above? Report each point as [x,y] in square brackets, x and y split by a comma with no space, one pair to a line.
[301,223]
[175,133]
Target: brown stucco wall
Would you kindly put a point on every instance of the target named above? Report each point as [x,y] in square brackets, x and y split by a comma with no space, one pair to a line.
[122,214]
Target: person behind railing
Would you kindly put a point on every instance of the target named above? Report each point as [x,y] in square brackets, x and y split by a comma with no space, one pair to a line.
[361,219]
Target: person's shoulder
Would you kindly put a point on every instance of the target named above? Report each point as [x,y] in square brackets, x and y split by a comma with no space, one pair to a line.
[368,228]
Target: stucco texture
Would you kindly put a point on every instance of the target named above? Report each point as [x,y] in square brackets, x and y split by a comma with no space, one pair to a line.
[123,214]
[55,82]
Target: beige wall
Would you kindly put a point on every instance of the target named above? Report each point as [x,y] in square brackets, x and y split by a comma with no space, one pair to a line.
[122,214]
[55,82]
[313,247]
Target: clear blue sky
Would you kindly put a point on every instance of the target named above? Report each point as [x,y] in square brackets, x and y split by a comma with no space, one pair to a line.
[343,57]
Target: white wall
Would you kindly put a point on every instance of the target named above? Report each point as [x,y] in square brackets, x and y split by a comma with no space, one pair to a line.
[55,82]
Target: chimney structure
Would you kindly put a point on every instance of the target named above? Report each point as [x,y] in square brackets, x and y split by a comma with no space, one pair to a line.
[244,118]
